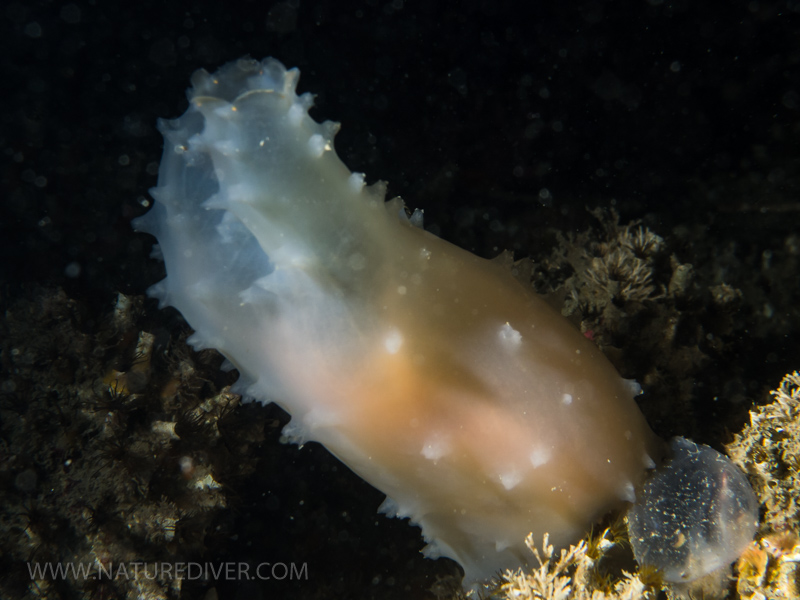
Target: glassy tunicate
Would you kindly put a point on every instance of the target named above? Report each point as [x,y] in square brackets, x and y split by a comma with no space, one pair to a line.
[694,515]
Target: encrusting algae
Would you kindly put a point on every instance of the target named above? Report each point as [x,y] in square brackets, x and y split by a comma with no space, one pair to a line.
[768,449]
[576,574]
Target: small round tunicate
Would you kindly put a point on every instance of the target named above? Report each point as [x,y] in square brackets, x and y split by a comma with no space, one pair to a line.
[694,515]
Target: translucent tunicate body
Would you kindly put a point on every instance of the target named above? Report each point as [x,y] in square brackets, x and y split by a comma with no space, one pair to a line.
[434,374]
[696,514]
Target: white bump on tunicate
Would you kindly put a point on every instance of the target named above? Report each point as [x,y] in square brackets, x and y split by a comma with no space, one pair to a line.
[316,145]
[632,386]
[295,115]
[432,551]
[425,253]
[648,462]
[417,218]
[510,480]
[393,342]
[627,492]
[509,337]
[388,507]
[539,457]
[501,545]
[356,181]
[320,418]
[566,399]
[435,448]
[292,432]
[401,289]
[294,254]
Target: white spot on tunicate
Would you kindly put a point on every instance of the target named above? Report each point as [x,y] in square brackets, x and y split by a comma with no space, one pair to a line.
[357,261]
[356,181]
[393,342]
[424,253]
[401,289]
[539,457]
[627,492]
[320,418]
[432,551]
[566,399]
[501,545]
[296,113]
[316,145]
[292,433]
[510,480]
[632,386]
[389,508]
[509,337]
[435,448]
